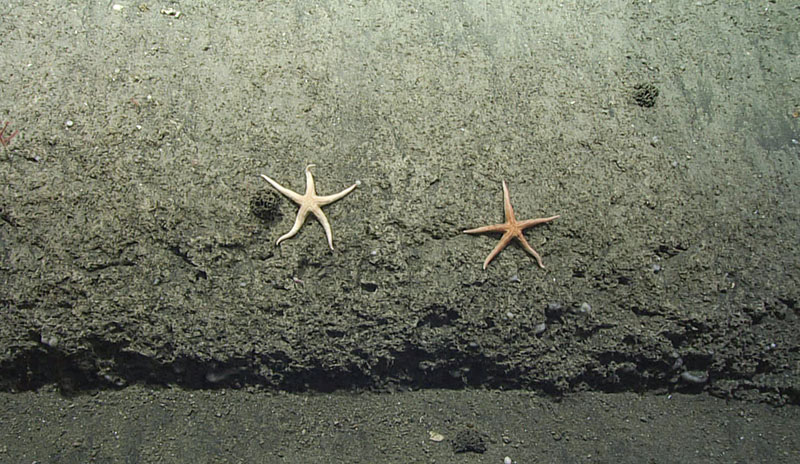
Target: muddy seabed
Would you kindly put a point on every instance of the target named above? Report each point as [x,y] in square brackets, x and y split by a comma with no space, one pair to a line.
[146,308]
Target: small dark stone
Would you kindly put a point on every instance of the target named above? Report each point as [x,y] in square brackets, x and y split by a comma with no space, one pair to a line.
[369,286]
[469,440]
[265,205]
[644,94]
[554,311]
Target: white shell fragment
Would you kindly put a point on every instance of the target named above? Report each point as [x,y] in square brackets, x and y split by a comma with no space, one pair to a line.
[171,12]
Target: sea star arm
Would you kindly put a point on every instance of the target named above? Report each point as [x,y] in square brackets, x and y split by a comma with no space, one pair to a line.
[530,250]
[484,229]
[325,224]
[298,223]
[290,194]
[328,199]
[311,189]
[534,222]
[507,204]
[504,241]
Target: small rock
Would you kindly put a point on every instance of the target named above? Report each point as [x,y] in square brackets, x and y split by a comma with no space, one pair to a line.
[469,440]
[553,310]
[696,378]
[644,94]
[656,268]
[171,12]
[539,329]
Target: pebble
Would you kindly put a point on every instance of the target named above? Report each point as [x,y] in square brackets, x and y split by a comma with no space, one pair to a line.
[553,310]
[539,329]
[51,341]
[696,378]
[171,12]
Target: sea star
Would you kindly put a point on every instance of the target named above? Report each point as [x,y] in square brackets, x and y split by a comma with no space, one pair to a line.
[511,229]
[309,203]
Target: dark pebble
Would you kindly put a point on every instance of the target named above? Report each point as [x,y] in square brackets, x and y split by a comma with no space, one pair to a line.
[469,440]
